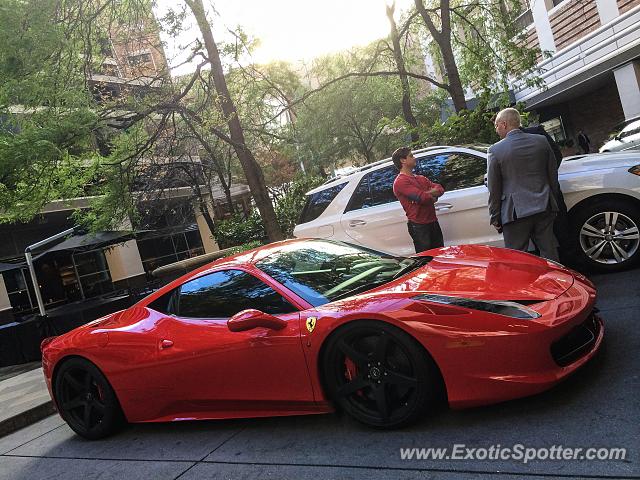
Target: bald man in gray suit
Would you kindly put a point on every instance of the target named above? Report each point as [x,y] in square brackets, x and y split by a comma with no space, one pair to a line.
[522,176]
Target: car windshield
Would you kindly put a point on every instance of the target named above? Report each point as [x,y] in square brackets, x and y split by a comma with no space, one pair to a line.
[622,129]
[322,271]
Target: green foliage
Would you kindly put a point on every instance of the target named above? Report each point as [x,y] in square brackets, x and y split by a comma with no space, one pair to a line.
[238,230]
[475,126]
[289,207]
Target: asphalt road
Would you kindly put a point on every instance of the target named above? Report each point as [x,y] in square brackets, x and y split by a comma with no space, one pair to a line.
[597,407]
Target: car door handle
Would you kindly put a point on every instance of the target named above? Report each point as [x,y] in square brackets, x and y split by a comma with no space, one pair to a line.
[355,223]
[443,206]
[165,344]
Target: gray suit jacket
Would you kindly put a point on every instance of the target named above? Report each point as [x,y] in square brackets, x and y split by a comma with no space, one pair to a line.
[522,176]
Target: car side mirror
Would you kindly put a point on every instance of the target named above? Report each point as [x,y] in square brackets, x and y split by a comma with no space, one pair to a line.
[251,318]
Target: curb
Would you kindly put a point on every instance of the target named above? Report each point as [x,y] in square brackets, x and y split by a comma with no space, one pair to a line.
[26,418]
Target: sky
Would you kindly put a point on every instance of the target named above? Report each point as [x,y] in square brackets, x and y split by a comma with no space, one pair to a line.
[295,30]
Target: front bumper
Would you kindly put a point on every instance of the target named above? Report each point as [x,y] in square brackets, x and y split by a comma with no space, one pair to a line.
[526,359]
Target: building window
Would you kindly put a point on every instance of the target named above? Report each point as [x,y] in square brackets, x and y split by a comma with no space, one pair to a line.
[555,128]
[93,273]
[19,290]
[139,59]
[524,20]
[163,250]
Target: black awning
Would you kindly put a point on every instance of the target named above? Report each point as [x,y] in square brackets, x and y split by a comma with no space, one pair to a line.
[90,241]
[4,267]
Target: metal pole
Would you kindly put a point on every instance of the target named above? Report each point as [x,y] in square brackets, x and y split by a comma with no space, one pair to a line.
[32,270]
[36,287]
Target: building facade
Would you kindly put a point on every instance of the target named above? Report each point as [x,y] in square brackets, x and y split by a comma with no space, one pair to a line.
[132,62]
[590,64]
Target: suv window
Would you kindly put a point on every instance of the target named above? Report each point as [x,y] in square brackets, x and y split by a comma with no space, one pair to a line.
[222,295]
[375,188]
[454,170]
[318,202]
[631,129]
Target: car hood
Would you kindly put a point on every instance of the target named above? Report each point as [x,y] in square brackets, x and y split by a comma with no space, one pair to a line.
[482,272]
[597,161]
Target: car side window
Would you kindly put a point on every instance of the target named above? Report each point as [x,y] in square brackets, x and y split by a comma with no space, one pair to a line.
[631,129]
[453,170]
[375,188]
[318,202]
[222,295]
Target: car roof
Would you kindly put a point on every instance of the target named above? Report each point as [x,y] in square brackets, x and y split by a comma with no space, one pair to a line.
[340,179]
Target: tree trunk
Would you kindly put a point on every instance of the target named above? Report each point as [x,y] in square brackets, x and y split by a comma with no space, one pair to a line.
[252,170]
[443,39]
[404,80]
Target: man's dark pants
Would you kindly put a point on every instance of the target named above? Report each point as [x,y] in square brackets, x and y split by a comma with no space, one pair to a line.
[425,236]
[537,227]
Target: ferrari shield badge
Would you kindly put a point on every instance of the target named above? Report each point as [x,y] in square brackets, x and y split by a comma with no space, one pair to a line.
[311,323]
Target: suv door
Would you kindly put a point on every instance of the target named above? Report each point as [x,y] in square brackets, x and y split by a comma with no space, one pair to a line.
[462,210]
[374,217]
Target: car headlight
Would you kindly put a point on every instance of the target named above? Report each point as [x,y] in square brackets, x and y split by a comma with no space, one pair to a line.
[635,170]
[501,307]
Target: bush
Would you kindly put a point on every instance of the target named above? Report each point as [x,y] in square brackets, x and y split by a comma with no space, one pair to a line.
[238,231]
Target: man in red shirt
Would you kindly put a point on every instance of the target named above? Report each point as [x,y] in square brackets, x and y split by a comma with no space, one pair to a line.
[417,194]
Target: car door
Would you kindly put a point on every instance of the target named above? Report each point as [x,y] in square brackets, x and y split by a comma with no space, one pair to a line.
[212,369]
[463,209]
[374,217]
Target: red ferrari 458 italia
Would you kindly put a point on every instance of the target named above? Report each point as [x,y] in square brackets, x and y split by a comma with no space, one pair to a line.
[305,326]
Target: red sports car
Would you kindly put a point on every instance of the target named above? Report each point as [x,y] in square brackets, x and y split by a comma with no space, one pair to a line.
[303,326]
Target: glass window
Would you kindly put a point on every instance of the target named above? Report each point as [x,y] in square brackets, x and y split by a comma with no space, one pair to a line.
[555,128]
[93,273]
[381,185]
[631,129]
[323,271]
[223,294]
[361,197]
[462,170]
[375,188]
[318,202]
[431,166]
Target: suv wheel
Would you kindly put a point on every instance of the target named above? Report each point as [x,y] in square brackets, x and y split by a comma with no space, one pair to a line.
[607,235]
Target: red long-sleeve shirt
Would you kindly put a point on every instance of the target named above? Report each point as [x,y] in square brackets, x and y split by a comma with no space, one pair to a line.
[412,191]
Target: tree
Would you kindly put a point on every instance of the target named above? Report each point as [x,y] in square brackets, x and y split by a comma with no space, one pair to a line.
[252,170]
[479,43]
[347,119]
[402,73]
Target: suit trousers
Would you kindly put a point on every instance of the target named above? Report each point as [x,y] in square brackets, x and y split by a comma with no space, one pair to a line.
[538,228]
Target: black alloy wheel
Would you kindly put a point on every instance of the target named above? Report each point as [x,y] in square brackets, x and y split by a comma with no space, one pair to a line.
[379,375]
[86,401]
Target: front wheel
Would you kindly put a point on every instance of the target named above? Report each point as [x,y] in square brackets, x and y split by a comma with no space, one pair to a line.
[379,375]
[86,401]
[607,235]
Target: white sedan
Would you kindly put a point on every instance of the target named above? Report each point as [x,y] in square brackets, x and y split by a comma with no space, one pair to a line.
[602,193]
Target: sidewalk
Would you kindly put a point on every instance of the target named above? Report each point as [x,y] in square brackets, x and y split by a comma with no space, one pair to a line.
[24,398]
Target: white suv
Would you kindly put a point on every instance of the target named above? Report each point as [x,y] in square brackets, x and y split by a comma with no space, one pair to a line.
[602,193]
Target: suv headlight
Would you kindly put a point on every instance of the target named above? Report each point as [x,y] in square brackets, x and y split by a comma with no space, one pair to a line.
[635,170]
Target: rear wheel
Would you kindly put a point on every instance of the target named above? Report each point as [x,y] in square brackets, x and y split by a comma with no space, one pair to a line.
[607,235]
[379,375]
[86,401]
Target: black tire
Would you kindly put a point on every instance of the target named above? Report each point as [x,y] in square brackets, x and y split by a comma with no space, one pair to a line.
[86,400]
[379,375]
[597,228]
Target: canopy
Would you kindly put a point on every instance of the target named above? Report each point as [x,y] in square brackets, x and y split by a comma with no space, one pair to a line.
[90,241]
